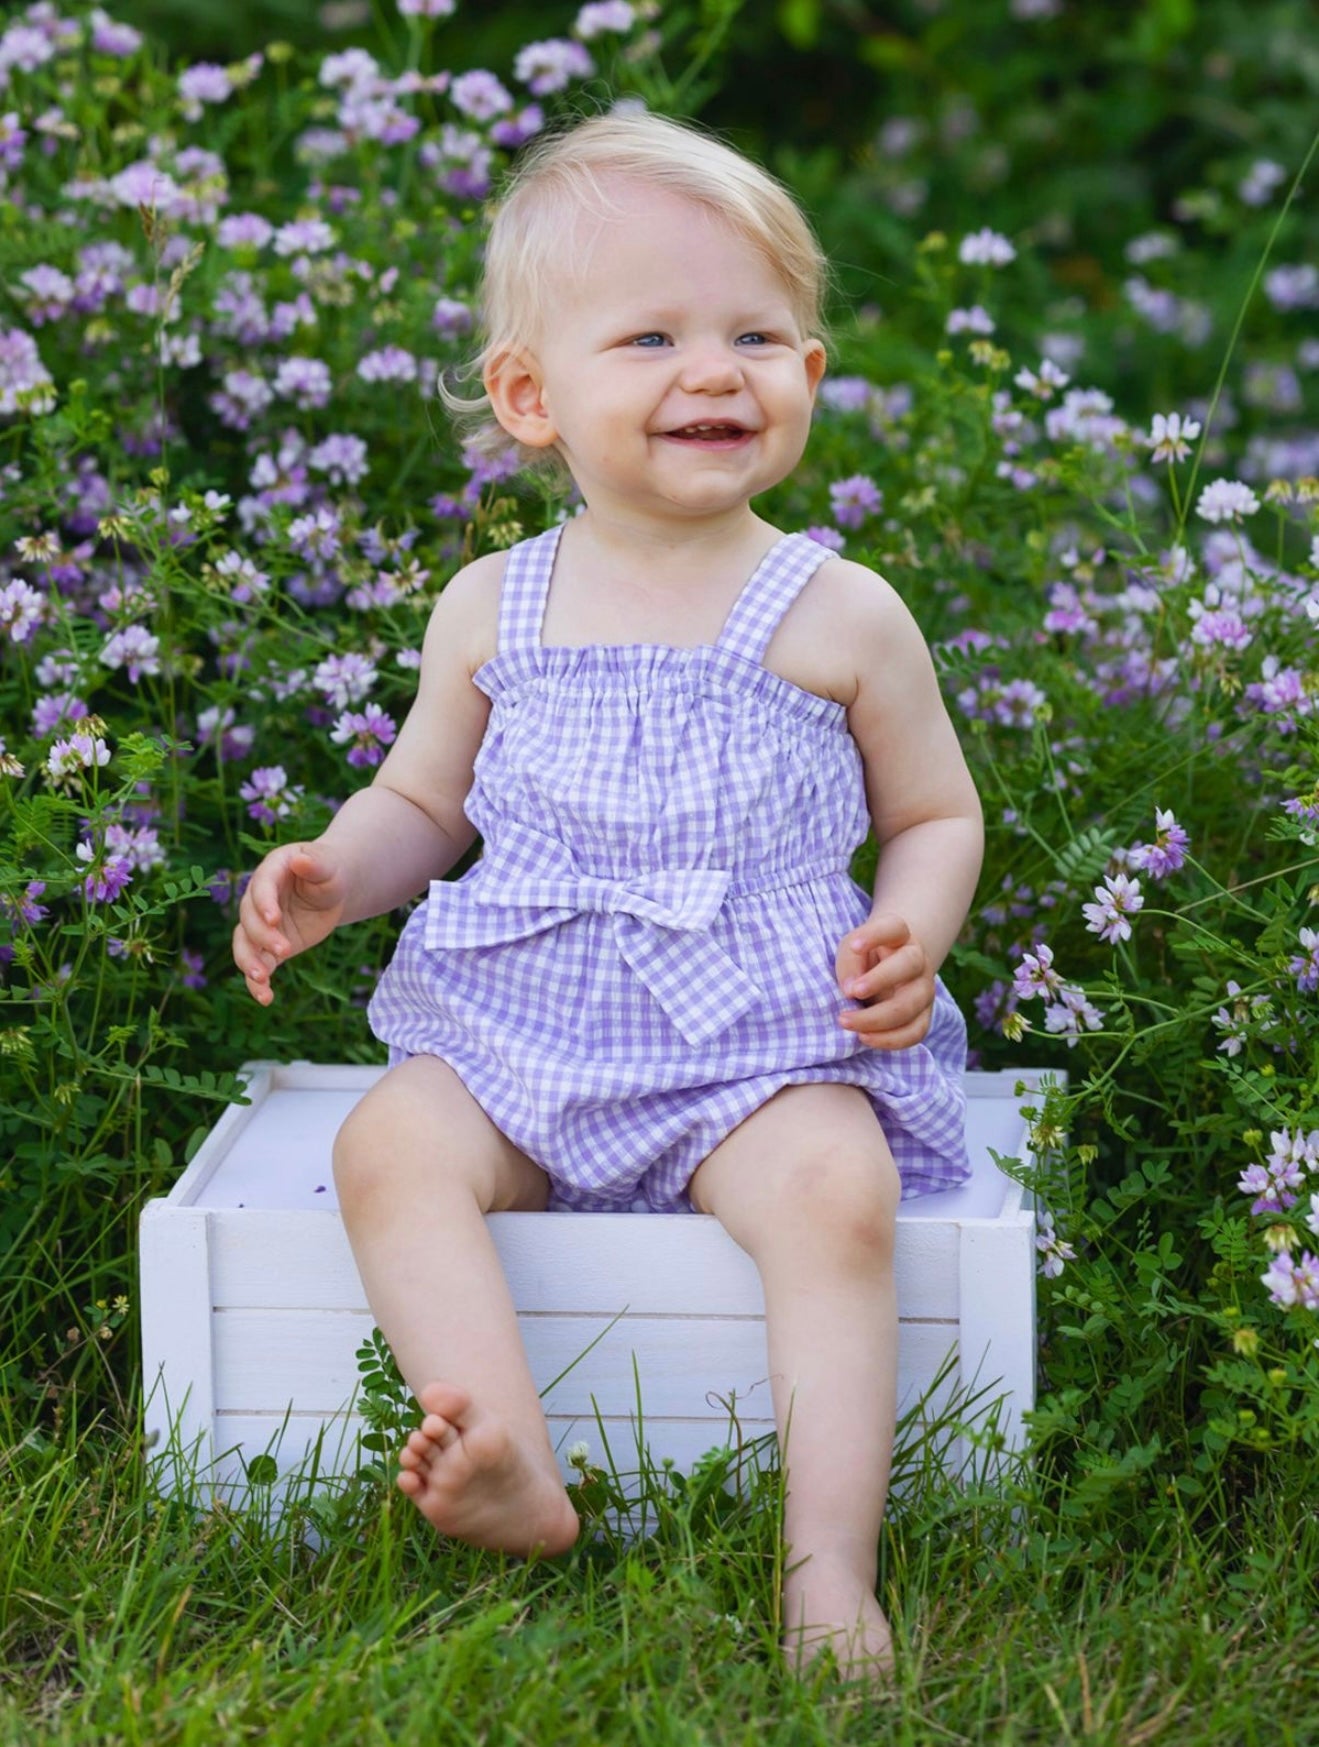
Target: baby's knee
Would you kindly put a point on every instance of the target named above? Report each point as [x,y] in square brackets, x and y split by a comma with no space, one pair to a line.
[843,1198]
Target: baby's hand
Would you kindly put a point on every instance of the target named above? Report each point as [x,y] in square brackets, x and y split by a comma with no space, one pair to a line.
[293,900]
[883,966]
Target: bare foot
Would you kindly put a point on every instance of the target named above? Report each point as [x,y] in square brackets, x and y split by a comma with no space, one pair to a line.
[827,1605]
[470,1480]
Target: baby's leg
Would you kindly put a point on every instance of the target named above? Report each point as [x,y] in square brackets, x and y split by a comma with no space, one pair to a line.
[808,1187]
[417,1165]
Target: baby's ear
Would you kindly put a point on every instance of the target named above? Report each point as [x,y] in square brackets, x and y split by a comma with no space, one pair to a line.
[816,360]
[513,382]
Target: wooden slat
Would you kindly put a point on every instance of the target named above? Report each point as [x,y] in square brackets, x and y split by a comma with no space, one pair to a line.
[174,1301]
[265,1360]
[593,1263]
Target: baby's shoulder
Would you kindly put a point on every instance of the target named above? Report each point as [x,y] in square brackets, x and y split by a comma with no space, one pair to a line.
[851,595]
[465,617]
[843,630]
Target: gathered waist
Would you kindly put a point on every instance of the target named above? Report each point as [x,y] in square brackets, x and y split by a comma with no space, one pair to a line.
[661,919]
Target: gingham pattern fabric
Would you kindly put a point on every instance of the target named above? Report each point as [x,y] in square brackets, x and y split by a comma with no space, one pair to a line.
[645,951]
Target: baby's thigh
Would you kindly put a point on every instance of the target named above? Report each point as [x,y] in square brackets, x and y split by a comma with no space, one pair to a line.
[812,1155]
[419,1132]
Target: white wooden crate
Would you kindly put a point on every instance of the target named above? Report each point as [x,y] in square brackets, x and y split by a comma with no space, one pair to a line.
[252,1308]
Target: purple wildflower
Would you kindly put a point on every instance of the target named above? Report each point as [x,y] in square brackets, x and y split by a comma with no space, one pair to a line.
[134,648]
[341,457]
[244,230]
[1293,1283]
[1235,1022]
[985,248]
[21,610]
[548,66]
[344,679]
[193,969]
[1305,965]
[1116,900]
[107,873]
[306,236]
[388,364]
[67,758]
[427,8]
[479,95]
[316,536]
[827,537]
[200,84]
[1072,1012]
[1226,500]
[854,499]
[25,909]
[1167,854]
[305,381]
[1055,1253]
[269,794]
[451,317]
[975,320]
[25,383]
[600,16]
[369,731]
[1035,975]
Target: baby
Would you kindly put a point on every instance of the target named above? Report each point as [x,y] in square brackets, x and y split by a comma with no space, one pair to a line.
[670,725]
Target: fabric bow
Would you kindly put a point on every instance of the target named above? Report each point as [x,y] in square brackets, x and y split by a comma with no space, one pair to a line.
[661,924]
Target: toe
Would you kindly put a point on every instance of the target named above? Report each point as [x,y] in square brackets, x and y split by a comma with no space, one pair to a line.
[443,1400]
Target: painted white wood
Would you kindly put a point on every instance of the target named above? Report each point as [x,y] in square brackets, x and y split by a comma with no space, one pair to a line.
[645,1264]
[252,1305]
[174,1301]
[689,1367]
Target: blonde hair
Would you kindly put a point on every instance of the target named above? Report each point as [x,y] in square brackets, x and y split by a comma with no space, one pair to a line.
[562,173]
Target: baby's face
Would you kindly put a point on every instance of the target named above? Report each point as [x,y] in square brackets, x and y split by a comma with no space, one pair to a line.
[674,376]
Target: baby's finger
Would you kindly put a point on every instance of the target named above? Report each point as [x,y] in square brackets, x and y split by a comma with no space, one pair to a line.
[905,964]
[903,1038]
[256,967]
[880,932]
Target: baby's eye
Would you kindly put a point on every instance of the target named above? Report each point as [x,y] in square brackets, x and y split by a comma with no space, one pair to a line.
[756,338]
[648,340]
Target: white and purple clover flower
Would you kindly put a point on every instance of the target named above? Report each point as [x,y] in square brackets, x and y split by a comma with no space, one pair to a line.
[1293,1283]
[1276,1182]
[1171,436]
[1246,1014]
[480,96]
[1068,1009]
[108,872]
[427,8]
[1054,1253]
[25,383]
[366,733]
[67,759]
[1116,901]
[344,679]
[1167,854]
[269,794]
[1226,500]
[1304,966]
[604,17]
[985,248]
[855,499]
[549,66]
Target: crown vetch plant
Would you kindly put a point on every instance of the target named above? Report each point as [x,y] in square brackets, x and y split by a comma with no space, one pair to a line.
[228,497]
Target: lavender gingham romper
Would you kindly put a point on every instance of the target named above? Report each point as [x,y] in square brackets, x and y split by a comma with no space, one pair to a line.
[644,952]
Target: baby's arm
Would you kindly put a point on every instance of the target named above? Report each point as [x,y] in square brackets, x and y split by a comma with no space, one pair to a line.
[927,821]
[388,841]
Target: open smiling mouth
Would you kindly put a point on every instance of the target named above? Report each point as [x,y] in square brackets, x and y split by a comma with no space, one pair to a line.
[708,433]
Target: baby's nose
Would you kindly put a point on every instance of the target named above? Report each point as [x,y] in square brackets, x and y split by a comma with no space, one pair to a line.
[712,370]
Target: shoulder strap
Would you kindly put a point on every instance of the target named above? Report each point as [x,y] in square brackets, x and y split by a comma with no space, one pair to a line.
[525,590]
[775,583]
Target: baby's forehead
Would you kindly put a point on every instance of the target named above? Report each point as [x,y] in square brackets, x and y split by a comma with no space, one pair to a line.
[594,219]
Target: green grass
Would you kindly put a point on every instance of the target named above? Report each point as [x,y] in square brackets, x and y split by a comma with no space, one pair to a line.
[124,1618]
